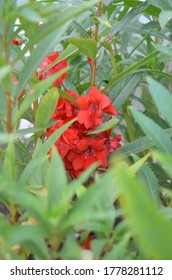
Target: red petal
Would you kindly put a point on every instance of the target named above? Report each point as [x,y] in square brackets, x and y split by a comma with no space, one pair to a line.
[82,102]
[78,162]
[83,145]
[89,160]
[110,110]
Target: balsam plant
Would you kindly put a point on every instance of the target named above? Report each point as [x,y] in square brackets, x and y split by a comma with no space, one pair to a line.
[90,176]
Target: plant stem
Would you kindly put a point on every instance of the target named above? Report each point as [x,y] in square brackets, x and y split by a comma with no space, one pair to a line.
[96,32]
[14,214]
[9,112]
[9,104]
[35,107]
[128,122]
[112,57]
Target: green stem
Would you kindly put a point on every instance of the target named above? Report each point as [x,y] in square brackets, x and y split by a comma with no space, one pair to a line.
[9,104]
[113,61]
[35,107]
[96,32]
[14,214]
[127,118]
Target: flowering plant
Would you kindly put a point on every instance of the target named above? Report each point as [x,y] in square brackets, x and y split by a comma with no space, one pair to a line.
[85,129]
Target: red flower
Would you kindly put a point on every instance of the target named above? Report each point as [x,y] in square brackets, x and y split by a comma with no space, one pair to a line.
[65,110]
[54,69]
[91,107]
[111,144]
[67,141]
[78,150]
[88,151]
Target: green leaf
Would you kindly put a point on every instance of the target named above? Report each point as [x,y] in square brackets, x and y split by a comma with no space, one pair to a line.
[152,230]
[138,164]
[81,30]
[86,46]
[30,14]
[154,132]
[137,146]
[105,126]
[4,71]
[162,98]
[164,17]
[150,181]
[56,179]
[30,237]
[128,18]
[33,204]
[46,107]
[123,89]
[131,69]
[82,209]
[166,162]
[163,5]
[164,49]
[33,166]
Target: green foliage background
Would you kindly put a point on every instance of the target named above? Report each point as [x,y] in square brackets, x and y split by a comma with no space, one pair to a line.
[128,207]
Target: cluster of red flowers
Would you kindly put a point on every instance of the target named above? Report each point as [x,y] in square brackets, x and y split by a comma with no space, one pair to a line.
[78,149]
[43,73]
[54,69]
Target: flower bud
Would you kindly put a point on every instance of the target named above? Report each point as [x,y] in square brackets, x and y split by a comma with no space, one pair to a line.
[109,38]
[17,41]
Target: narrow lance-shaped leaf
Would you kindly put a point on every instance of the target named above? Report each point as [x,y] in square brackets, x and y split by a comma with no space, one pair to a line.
[152,230]
[131,69]
[31,238]
[105,126]
[151,182]
[33,166]
[163,5]
[86,46]
[162,98]
[165,161]
[132,14]
[164,17]
[137,146]
[154,132]
[123,89]
[56,180]
[135,167]
[83,207]
[46,107]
